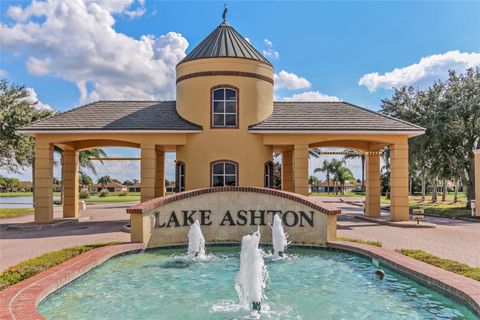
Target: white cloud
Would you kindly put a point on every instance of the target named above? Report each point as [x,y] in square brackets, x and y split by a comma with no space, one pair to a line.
[248,40]
[76,41]
[33,99]
[311,96]
[270,52]
[423,73]
[3,73]
[290,81]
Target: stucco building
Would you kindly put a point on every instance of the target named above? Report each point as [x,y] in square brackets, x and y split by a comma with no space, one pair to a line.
[224,127]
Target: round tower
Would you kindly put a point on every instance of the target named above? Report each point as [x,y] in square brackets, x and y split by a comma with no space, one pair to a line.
[225,85]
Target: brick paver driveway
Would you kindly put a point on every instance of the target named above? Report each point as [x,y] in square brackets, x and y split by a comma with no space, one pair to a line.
[99,223]
[452,239]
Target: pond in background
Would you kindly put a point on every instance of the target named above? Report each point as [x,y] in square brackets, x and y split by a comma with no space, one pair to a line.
[19,202]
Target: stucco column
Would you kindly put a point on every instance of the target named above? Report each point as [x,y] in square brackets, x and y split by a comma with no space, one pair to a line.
[300,168]
[399,182]
[372,185]
[287,171]
[160,174]
[477,181]
[70,173]
[43,200]
[148,171]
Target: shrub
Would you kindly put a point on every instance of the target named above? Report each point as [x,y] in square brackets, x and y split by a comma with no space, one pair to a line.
[447,264]
[104,193]
[84,194]
[123,194]
[31,267]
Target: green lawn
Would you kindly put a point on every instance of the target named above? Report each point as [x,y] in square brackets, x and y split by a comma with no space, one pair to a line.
[31,267]
[14,212]
[449,265]
[374,243]
[114,198]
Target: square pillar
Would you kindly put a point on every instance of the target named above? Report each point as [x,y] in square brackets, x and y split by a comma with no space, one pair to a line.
[287,171]
[43,171]
[160,174]
[300,169]
[399,182]
[70,175]
[148,170]
[372,186]
[477,182]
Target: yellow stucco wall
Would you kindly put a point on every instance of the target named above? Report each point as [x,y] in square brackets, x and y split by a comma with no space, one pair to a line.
[255,103]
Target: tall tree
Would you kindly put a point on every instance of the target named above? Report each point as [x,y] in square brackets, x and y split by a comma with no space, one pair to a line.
[327,168]
[16,150]
[352,154]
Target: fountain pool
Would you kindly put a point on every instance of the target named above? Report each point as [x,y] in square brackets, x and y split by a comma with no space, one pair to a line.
[306,284]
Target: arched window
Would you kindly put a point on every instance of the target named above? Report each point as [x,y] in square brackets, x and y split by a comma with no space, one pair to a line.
[179,176]
[224,107]
[224,173]
[268,175]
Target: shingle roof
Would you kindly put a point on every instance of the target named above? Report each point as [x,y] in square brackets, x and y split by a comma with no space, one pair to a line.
[315,116]
[118,115]
[225,41]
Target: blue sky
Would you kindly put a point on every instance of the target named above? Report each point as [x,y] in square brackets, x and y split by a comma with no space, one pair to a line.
[353,51]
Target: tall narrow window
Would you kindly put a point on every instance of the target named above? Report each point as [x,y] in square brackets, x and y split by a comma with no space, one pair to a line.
[224,108]
[268,175]
[224,173]
[180,176]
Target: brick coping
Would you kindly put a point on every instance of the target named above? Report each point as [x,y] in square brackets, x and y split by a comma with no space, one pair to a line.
[20,300]
[458,287]
[157,202]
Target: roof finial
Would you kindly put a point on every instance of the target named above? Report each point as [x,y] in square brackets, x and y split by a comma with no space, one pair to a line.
[224,15]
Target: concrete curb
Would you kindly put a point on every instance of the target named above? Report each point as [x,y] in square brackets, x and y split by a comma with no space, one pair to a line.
[394,224]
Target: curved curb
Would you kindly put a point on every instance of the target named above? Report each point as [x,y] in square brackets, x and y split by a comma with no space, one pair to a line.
[157,202]
[460,288]
[20,300]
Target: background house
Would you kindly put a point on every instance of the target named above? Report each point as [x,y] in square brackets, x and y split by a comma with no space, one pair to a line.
[110,186]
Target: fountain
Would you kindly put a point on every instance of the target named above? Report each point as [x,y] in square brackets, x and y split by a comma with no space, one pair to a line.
[279,237]
[251,278]
[196,242]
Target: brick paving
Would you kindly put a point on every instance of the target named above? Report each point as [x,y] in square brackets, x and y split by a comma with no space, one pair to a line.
[451,239]
[100,223]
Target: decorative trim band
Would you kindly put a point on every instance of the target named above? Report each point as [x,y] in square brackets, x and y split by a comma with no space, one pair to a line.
[308,201]
[225,73]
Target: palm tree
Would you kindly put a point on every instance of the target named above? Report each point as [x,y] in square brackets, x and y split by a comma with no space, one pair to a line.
[344,174]
[84,180]
[353,155]
[84,161]
[104,180]
[314,153]
[326,167]
[335,169]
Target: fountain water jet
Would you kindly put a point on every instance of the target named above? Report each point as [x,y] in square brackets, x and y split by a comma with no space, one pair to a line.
[196,241]
[279,237]
[251,278]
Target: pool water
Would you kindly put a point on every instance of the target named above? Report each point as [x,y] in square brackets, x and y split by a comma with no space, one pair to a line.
[307,284]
